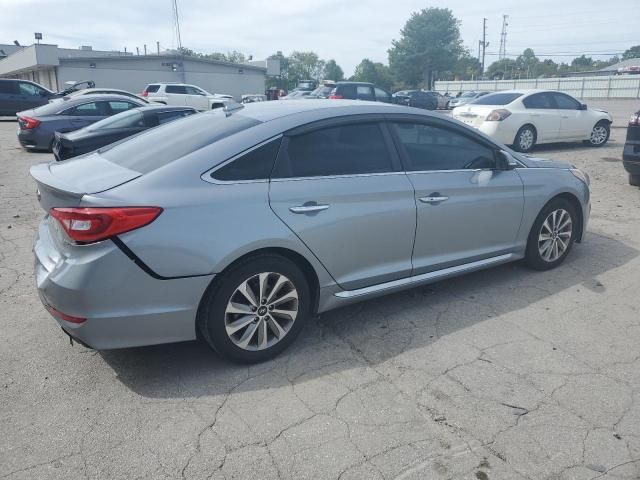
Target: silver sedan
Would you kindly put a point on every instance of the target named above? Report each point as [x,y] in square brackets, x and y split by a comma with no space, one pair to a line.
[239,225]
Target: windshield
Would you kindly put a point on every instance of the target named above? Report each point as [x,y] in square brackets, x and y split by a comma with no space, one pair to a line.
[150,150]
[497,99]
[468,95]
[130,118]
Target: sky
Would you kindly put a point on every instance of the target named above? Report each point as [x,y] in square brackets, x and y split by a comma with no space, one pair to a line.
[346,31]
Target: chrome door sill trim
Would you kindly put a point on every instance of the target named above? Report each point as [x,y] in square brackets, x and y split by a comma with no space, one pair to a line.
[436,275]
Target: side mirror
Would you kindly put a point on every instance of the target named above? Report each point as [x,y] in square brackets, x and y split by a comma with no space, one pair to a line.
[506,160]
[583,106]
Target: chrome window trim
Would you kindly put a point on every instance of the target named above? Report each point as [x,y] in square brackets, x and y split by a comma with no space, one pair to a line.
[206,176]
[331,177]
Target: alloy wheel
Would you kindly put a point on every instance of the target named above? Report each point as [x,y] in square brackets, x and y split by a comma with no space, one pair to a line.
[555,235]
[598,135]
[261,311]
[526,139]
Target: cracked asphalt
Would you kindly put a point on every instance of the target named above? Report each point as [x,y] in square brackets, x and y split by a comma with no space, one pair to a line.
[502,374]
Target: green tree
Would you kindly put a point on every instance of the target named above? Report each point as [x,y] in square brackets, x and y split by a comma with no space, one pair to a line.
[546,68]
[582,63]
[304,66]
[429,42]
[633,52]
[527,63]
[332,71]
[467,67]
[374,72]
[502,69]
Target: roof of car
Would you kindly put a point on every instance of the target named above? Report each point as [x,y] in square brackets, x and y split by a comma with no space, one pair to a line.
[347,82]
[266,111]
[164,108]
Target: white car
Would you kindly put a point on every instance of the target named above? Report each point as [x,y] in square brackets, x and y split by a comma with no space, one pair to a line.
[524,118]
[184,94]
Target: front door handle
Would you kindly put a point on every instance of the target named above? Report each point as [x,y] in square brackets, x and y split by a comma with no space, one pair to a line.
[434,199]
[308,208]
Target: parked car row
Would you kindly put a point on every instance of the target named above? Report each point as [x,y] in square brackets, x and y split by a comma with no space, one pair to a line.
[184,94]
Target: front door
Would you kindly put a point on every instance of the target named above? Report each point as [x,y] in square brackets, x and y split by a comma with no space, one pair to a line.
[341,191]
[574,122]
[467,208]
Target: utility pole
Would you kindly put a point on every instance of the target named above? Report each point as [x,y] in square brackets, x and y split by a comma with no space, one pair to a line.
[145,48]
[484,44]
[502,53]
[176,24]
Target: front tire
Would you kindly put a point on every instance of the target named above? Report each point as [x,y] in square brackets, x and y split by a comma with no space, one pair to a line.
[553,234]
[599,134]
[525,139]
[256,309]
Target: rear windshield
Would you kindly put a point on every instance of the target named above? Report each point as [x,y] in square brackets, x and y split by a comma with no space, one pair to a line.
[497,99]
[51,108]
[162,145]
[152,88]
[468,94]
[323,91]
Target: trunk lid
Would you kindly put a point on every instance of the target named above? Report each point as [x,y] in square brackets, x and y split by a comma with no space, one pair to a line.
[64,184]
[473,115]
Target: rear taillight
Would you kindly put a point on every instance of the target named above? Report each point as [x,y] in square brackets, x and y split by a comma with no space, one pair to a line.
[336,96]
[145,94]
[27,123]
[64,316]
[88,225]
[498,115]
[635,119]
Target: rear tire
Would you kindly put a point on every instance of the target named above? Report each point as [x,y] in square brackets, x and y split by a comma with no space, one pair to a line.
[525,139]
[634,180]
[553,234]
[249,329]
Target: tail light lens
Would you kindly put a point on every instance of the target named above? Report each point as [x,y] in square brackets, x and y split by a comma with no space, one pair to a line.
[64,316]
[336,96]
[27,123]
[498,115]
[145,94]
[88,225]
[635,119]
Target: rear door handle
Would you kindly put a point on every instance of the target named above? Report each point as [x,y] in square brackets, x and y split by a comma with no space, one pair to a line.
[434,199]
[308,208]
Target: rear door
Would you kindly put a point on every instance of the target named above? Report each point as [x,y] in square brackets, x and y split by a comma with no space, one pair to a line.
[574,122]
[382,95]
[339,188]
[85,114]
[541,111]
[9,103]
[365,92]
[176,94]
[467,209]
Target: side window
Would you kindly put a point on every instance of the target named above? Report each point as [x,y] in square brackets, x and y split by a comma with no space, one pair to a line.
[347,91]
[341,150]
[565,102]
[8,86]
[254,165]
[193,90]
[165,117]
[181,89]
[364,92]
[539,100]
[92,109]
[382,96]
[119,107]
[29,89]
[428,147]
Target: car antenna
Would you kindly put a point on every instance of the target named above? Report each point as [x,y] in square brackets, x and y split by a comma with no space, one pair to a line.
[229,108]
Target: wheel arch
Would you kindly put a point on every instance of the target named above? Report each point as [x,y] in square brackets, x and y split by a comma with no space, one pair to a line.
[307,269]
[571,198]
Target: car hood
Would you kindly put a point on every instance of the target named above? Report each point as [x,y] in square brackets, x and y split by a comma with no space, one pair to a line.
[536,162]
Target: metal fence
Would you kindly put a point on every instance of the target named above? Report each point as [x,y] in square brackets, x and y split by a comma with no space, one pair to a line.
[625,86]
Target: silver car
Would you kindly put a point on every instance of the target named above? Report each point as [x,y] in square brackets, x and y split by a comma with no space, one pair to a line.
[238,226]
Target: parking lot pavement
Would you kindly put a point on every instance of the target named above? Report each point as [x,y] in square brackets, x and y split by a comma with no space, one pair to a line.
[502,374]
